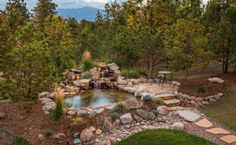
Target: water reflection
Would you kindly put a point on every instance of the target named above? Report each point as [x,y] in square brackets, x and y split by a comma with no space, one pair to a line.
[97,97]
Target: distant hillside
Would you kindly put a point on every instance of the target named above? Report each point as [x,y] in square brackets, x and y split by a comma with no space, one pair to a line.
[88,13]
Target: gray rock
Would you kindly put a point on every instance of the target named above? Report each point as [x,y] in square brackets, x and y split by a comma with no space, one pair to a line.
[162,110]
[177,126]
[41,137]
[134,103]
[43,94]
[145,115]
[126,118]
[60,136]
[86,135]
[189,115]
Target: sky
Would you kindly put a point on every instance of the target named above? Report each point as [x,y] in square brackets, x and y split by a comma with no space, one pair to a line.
[66,3]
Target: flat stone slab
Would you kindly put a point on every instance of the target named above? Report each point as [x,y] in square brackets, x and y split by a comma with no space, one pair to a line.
[171,102]
[189,115]
[217,130]
[164,96]
[204,123]
[228,139]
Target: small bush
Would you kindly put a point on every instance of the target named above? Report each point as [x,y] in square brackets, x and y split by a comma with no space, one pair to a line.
[147,98]
[120,107]
[159,102]
[8,91]
[202,89]
[58,112]
[27,103]
[86,75]
[114,116]
[78,121]
[130,73]
[20,140]
[48,133]
[87,65]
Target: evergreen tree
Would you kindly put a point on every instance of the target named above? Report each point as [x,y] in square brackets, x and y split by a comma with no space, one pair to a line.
[43,10]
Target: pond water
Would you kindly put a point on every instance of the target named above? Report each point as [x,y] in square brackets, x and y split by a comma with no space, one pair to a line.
[97,98]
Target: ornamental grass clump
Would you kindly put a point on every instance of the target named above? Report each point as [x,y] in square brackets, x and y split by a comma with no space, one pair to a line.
[58,111]
[120,107]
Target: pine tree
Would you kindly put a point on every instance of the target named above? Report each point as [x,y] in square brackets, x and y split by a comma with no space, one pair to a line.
[44,9]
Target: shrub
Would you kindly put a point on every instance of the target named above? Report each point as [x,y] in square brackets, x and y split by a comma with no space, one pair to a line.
[146,98]
[86,75]
[130,73]
[58,111]
[20,140]
[86,65]
[120,107]
[8,91]
[159,102]
[78,121]
[48,133]
[27,104]
[114,116]
[202,89]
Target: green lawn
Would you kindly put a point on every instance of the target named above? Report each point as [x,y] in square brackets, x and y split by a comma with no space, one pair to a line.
[163,137]
[224,110]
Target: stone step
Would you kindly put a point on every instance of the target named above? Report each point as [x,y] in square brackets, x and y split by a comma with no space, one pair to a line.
[164,96]
[172,102]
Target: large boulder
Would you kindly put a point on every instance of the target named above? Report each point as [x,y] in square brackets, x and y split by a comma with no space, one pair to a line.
[130,89]
[162,110]
[122,82]
[43,94]
[216,80]
[145,115]
[113,66]
[84,83]
[126,118]
[95,72]
[134,103]
[86,135]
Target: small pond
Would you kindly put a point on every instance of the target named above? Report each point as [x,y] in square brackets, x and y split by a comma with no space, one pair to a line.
[97,97]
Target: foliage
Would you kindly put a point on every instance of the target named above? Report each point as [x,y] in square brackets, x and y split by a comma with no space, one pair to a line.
[58,111]
[129,73]
[8,91]
[27,104]
[30,71]
[147,98]
[86,75]
[48,133]
[114,116]
[20,140]
[159,102]
[163,137]
[78,122]
[202,89]
[87,65]
[120,107]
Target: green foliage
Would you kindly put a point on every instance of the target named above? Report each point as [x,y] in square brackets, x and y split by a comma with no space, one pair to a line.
[27,104]
[30,70]
[8,91]
[86,75]
[147,98]
[114,116]
[48,133]
[129,73]
[159,102]
[202,89]
[87,65]
[20,140]
[163,137]
[120,107]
